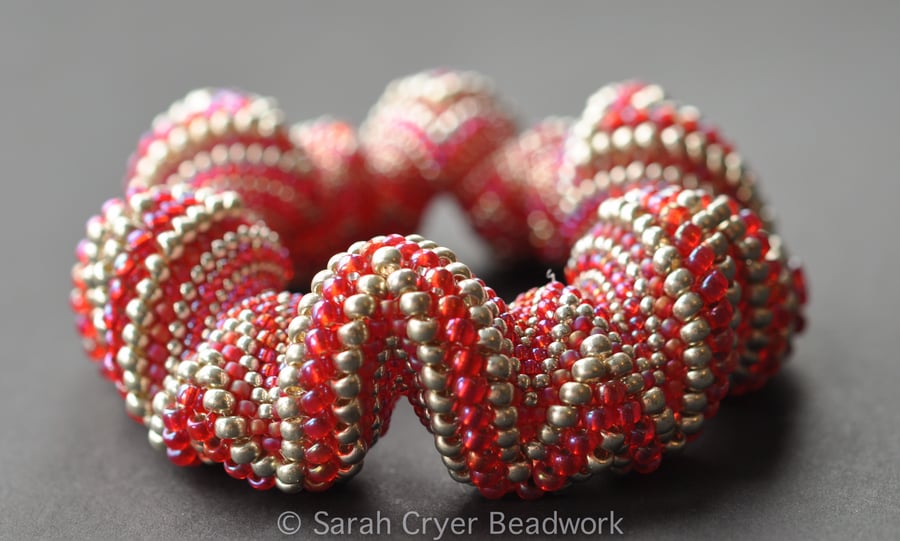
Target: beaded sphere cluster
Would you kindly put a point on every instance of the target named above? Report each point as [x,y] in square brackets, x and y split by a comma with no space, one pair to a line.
[679,290]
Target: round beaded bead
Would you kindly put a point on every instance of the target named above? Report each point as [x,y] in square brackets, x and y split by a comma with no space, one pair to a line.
[155,271]
[511,197]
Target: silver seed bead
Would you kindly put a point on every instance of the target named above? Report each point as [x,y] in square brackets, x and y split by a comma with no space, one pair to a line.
[386,260]
[651,237]
[505,417]
[291,473]
[619,364]
[156,441]
[438,402]
[287,407]
[687,306]
[371,284]
[358,306]
[136,406]
[349,413]
[421,330]
[447,447]
[415,303]
[588,369]
[458,269]
[612,442]
[555,349]
[564,313]
[718,243]
[549,435]
[258,394]
[598,464]
[518,472]
[265,466]
[353,334]
[349,360]
[355,456]
[472,291]
[295,353]
[694,402]
[210,356]
[678,282]
[691,424]
[218,401]
[695,331]
[229,428]
[293,450]
[595,344]
[575,393]
[535,451]
[506,438]
[490,339]
[700,379]
[348,435]
[454,464]
[211,376]
[501,394]
[633,383]
[444,425]
[347,387]
[402,281]
[127,359]
[304,307]
[482,316]
[654,401]
[434,377]
[245,453]
[319,280]
[561,416]
[498,366]
[665,421]
[429,354]
[697,356]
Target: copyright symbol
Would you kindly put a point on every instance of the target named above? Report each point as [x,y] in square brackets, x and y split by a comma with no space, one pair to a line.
[289,523]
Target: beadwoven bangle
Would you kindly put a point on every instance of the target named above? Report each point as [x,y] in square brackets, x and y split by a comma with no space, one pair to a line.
[679,291]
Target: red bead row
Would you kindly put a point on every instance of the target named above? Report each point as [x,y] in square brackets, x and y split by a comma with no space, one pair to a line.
[679,292]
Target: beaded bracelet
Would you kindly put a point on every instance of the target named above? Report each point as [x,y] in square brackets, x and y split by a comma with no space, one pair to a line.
[678,290]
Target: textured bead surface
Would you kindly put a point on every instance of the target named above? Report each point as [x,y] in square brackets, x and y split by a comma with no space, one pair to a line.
[154,273]
[512,197]
[442,121]
[677,290]
[228,139]
[637,126]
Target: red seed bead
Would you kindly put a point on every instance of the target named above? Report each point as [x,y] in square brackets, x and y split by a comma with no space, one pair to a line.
[687,238]
[714,287]
[470,391]
[319,453]
[261,483]
[182,457]
[700,260]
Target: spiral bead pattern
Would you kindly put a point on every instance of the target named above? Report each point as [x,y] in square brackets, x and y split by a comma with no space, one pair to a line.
[677,290]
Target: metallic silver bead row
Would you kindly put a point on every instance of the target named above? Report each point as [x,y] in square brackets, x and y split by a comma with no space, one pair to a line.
[627,212]
[598,364]
[592,148]
[190,132]
[131,357]
[204,369]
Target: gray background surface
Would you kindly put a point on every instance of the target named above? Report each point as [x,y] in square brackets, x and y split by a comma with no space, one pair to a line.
[808,90]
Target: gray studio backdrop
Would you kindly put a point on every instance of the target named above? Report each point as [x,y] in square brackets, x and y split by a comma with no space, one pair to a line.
[808,90]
